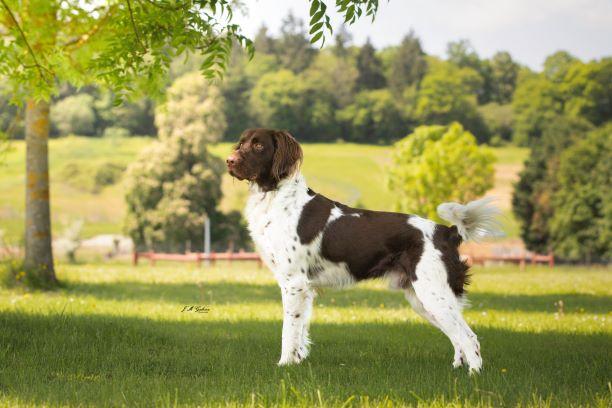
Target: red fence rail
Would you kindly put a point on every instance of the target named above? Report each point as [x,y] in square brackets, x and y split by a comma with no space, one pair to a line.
[196,257]
[521,260]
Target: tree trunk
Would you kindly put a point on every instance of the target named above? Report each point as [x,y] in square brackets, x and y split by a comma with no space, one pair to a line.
[38,254]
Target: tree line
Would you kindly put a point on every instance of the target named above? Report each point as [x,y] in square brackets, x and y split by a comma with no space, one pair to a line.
[360,94]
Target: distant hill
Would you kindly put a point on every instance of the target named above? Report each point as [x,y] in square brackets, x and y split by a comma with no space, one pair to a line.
[86,180]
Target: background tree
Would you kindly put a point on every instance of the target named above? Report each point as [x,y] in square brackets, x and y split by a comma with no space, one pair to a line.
[581,223]
[462,54]
[236,89]
[499,121]
[263,42]
[176,182]
[369,68]
[446,96]
[193,110]
[278,101]
[373,117]
[409,65]
[532,196]
[587,91]
[293,47]
[342,42]
[135,117]
[436,164]
[504,74]
[172,186]
[330,82]
[535,104]
[11,123]
[568,87]
[74,115]
[556,65]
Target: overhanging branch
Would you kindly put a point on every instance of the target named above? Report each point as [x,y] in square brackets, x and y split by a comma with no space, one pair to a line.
[25,40]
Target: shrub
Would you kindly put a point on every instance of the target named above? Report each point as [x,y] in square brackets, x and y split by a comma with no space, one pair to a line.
[107,174]
[91,177]
[74,115]
[437,164]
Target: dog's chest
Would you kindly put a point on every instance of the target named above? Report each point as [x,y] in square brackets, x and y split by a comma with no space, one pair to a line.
[273,221]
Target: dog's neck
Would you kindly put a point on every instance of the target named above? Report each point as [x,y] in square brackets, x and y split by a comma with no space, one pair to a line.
[290,193]
[295,182]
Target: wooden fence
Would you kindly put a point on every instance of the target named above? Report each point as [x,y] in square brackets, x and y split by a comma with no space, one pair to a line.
[522,259]
[198,257]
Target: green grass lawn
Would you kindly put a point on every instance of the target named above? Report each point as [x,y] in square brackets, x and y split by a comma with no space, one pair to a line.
[353,174]
[115,336]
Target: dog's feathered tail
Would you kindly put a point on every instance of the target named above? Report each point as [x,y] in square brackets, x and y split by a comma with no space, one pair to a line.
[475,220]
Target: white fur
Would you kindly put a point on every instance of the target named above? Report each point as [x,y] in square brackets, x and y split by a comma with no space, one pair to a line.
[432,298]
[475,220]
[273,219]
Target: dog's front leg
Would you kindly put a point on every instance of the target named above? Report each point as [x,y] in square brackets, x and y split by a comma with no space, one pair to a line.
[297,308]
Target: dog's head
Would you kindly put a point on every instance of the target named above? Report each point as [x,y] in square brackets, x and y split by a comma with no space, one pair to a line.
[265,156]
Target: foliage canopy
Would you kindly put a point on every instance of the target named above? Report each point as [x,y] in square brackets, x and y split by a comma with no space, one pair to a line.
[581,224]
[436,164]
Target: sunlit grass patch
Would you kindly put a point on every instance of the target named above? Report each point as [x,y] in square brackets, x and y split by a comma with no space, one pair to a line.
[118,335]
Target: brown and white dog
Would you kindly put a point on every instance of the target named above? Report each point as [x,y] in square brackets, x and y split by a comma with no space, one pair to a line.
[310,241]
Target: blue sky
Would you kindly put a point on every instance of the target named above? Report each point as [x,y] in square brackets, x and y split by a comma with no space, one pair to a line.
[529,29]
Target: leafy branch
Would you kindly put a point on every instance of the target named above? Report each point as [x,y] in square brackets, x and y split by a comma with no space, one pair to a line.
[41,69]
[81,39]
[351,10]
[129,4]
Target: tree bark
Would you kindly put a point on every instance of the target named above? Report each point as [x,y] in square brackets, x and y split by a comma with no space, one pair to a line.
[38,253]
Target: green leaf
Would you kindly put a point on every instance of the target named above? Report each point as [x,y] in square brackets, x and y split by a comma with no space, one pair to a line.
[315,19]
[314,7]
[316,28]
[317,37]
[349,14]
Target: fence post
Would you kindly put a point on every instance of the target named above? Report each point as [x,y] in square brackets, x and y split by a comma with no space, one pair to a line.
[207,238]
[135,258]
[551,259]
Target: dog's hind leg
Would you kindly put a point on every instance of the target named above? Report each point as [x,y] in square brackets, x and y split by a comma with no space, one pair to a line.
[417,306]
[438,300]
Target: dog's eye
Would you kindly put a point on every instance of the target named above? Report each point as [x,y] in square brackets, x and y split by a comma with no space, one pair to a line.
[238,146]
[258,146]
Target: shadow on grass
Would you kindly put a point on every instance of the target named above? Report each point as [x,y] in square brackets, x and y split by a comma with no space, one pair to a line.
[232,292]
[109,361]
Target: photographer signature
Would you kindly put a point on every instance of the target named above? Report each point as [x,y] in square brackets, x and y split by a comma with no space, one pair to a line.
[196,309]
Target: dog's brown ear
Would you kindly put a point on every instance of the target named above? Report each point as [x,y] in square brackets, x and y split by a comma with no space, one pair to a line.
[287,156]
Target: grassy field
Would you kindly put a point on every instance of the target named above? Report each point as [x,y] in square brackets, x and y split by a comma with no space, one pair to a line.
[350,173]
[116,335]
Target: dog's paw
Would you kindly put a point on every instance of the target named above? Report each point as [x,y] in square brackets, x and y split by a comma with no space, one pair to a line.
[475,370]
[458,362]
[294,357]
